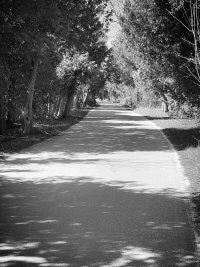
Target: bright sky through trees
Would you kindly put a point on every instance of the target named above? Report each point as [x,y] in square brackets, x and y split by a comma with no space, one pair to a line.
[114,27]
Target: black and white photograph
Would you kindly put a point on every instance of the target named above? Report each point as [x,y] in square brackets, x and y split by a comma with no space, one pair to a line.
[99,133]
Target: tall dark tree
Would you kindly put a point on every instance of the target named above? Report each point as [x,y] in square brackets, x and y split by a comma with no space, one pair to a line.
[30,32]
[155,47]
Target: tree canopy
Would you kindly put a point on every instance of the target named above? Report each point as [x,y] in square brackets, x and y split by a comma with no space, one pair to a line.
[156,47]
[54,55]
[35,37]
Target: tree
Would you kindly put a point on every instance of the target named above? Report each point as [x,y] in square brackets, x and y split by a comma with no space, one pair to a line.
[190,21]
[33,30]
[28,31]
[76,69]
[151,47]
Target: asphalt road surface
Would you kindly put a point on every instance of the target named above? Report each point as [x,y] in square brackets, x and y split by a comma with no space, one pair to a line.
[108,192]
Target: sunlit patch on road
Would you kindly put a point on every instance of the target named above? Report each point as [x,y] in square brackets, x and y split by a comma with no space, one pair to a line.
[130,254]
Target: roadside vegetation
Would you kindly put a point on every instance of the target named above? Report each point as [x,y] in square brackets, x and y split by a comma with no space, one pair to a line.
[53,57]
[157,51]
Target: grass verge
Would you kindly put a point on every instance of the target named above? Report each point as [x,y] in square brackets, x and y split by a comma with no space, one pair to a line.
[14,141]
[184,134]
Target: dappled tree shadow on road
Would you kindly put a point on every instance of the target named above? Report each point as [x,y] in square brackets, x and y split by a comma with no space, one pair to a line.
[91,224]
[108,134]
[66,202]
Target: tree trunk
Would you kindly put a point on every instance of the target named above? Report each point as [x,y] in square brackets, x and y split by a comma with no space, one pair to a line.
[75,102]
[85,98]
[10,115]
[2,118]
[11,110]
[165,105]
[28,110]
[70,94]
[69,103]
[58,110]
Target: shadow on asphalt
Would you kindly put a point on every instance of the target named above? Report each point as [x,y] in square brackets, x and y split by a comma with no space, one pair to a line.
[158,118]
[90,224]
[86,222]
[183,138]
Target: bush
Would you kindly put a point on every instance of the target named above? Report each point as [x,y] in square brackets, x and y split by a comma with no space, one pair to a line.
[185,110]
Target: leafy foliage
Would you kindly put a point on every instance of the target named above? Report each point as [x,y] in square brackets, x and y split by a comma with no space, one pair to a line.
[35,36]
[154,48]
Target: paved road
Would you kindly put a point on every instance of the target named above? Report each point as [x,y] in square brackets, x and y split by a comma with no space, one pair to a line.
[109,192]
